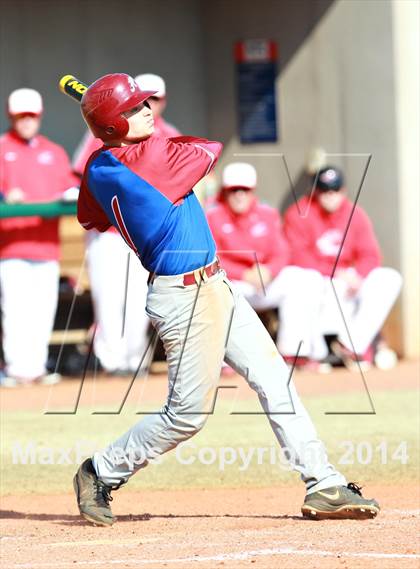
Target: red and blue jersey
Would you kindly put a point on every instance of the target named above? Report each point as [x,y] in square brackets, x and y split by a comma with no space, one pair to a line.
[144,190]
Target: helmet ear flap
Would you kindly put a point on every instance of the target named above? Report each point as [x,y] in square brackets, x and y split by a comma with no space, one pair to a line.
[115,131]
[120,127]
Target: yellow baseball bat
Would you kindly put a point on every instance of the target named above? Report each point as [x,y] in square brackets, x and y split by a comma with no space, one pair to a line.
[72,87]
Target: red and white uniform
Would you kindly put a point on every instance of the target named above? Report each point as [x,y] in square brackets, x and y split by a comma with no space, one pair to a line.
[42,170]
[315,237]
[29,251]
[257,237]
[108,257]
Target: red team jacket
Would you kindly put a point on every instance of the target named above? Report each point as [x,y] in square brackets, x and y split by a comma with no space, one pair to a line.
[239,238]
[42,170]
[315,239]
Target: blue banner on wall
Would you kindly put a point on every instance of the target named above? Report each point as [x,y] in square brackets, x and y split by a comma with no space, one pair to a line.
[256,68]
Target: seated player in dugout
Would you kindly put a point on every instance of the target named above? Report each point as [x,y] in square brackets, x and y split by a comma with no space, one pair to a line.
[255,255]
[142,184]
[366,291]
[32,169]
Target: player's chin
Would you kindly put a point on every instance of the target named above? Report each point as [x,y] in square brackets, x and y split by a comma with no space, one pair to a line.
[138,138]
[147,132]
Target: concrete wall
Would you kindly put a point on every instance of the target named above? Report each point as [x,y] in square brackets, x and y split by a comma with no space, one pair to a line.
[41,40]
[406,16]
[335,89]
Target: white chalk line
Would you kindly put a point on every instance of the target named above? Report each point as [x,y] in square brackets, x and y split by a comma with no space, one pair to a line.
[240,556]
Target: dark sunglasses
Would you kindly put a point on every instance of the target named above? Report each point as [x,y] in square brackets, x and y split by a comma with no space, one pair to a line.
[135,110]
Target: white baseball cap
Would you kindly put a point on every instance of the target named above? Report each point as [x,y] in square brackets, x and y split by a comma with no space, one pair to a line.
[25,101]
[239,175]
[151,82]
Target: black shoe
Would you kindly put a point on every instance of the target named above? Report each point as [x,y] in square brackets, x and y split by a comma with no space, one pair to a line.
[93,496]
[339,502]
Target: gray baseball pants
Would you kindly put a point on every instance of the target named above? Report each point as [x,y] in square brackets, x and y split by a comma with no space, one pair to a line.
[200,325]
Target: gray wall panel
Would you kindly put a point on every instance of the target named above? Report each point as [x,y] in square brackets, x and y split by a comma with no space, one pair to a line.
[40,40]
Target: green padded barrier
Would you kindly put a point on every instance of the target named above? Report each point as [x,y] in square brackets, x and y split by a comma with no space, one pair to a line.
[49,209]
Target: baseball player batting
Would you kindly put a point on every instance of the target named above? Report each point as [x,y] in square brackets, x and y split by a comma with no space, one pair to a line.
[141,184]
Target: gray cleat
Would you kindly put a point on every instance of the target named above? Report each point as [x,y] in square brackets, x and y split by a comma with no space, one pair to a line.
[339,502]
[93,496]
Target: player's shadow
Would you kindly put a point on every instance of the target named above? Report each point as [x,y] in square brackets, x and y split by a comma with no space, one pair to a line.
[76,520]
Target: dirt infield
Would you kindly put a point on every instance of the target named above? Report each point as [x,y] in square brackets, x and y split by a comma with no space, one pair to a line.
[232,528]
[218,528]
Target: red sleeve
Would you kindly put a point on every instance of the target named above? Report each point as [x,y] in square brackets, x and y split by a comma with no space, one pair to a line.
[236,264]
[87,146]
[301,244]
[187,138]
[233,266]
[68,179]
[3,177]
[278,253]
[90,214]
[233,262]
[173,166]
[190,158]
[367,253]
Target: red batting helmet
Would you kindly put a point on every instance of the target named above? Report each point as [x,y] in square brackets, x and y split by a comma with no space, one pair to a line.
[105,101]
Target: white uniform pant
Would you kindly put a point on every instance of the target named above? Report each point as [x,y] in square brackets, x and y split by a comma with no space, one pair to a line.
[121,335]
[356,319]
[295,292]
[29,294]
[199,327]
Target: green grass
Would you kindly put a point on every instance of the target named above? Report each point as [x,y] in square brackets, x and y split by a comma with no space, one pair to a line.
[396,421]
